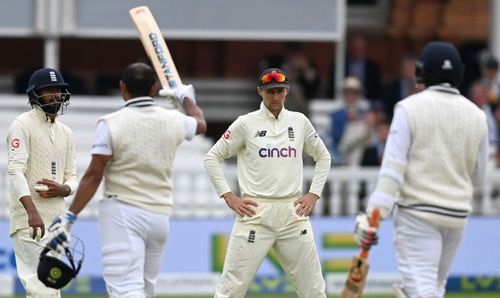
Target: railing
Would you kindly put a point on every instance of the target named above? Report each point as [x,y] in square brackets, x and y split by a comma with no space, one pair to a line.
[344,193]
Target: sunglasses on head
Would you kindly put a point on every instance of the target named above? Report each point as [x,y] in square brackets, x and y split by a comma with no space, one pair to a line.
[274,75]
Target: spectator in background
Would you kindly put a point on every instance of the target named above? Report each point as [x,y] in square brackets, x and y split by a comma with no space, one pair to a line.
[351,108]
[490,80]
[373,153]
[478,95]
[400,87]
[357,64]
[359,134]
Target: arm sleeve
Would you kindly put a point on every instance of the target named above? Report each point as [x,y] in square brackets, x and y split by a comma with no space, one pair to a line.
[394,163]
[314,146]
[17,154]
[190,127]
[70,177]
[228,145]
[481,163]
[102,140]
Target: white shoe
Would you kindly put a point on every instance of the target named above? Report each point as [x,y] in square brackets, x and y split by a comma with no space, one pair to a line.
[398,290]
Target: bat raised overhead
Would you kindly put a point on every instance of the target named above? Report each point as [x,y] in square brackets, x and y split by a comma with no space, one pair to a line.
[156,48]
[355,283]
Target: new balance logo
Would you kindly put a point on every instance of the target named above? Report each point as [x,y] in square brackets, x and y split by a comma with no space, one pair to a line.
[260,133]
[251,236]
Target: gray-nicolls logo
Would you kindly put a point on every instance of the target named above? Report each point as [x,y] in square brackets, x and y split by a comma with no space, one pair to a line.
[260,133]
[251,236]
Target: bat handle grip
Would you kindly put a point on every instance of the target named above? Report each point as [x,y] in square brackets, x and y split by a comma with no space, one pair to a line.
[374,222]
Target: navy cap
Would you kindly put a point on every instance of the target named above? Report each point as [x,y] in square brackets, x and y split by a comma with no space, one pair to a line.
[273,78]
[45,77]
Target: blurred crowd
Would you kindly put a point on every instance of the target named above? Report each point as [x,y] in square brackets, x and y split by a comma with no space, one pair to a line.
[363,109]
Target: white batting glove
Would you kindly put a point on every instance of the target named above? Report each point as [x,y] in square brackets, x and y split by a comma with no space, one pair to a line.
[365,235]
[60,231]
[179,93]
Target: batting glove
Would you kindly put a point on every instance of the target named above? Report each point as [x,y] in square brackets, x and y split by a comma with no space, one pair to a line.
[365,235]
[179,93]
[59,231]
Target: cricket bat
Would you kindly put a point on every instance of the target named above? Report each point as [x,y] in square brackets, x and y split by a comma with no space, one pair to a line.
[156,48]
[355,283]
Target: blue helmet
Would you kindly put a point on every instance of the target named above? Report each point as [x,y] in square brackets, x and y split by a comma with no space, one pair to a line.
[55,270]
[46,78]
[439,63]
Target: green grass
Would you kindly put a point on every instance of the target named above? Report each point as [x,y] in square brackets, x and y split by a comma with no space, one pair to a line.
[460,295]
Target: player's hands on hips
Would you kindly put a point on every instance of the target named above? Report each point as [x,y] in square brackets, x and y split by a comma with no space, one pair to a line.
[180,93]
[241,206]
[365,235]
[55,189]
[305,204]
[59,231]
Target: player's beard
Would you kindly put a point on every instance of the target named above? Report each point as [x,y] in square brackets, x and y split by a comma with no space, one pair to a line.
[51,108]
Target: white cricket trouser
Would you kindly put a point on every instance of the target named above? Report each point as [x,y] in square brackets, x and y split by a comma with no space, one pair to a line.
[27,253]
[275,225]
[425,253]
[132,246]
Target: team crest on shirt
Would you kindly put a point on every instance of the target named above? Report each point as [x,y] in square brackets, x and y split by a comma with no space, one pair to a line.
[15,143]
[291,134]
[227,134]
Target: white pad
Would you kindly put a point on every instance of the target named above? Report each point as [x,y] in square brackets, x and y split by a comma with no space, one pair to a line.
[398,290]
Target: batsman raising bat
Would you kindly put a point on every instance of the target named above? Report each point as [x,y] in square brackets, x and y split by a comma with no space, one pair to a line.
[133,150]
[435,154]
[157,51]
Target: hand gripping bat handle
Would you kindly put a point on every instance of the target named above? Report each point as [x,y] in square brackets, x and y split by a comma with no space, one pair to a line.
[374,222]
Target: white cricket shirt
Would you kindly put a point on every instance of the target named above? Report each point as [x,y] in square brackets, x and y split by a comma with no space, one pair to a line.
[269,152]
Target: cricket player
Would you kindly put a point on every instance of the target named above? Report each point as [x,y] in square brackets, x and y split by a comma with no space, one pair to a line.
[272,211]
[436,153]
[134,150]
[42,172]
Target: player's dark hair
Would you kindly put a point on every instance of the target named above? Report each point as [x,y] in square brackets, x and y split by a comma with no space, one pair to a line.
[139,78]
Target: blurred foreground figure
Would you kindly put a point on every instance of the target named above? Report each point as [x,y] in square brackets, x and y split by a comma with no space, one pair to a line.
[436,152]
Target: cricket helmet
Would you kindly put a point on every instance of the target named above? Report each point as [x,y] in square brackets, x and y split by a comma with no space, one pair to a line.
[46,78]
[439,63]
[57,270]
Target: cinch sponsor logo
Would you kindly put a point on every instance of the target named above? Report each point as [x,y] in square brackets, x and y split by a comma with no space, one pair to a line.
[277,152]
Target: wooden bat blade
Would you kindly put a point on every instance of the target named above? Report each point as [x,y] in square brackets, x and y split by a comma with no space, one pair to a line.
[355,283]
[155,46]
[356,278]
